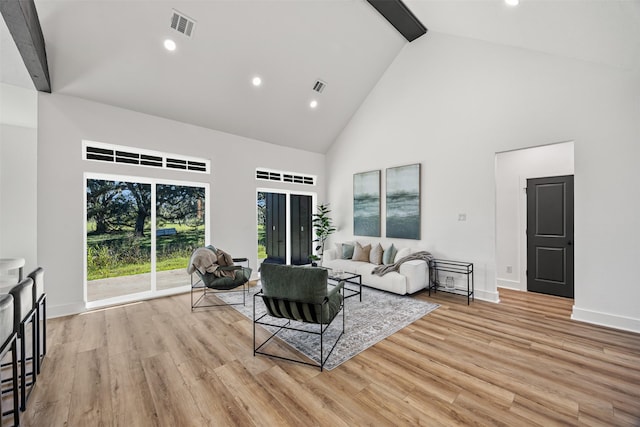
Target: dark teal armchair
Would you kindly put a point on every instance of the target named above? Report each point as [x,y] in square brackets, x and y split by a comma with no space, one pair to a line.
[207,284]
[293,295]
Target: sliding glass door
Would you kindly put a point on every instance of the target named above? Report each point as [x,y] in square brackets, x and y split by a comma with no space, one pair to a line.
[180,224]
[139,236]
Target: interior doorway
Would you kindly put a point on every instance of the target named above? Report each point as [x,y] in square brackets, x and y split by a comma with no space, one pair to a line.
[513,169]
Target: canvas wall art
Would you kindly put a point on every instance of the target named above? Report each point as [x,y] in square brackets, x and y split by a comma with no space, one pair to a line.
[366,204]
[403,202]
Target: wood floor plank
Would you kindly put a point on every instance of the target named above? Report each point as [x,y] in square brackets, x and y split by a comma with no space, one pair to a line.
[94,333]
[341,400]
[388,407]
[131,398]
[91,396]
[214,400]
[172,399]
[299,400]
[536,413]
[256,399]
[120,338]
[520,362]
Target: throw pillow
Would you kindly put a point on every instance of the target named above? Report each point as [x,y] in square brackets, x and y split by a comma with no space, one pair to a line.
[389,256]
[402,253]
[361,253]
[375,256]
[347,251]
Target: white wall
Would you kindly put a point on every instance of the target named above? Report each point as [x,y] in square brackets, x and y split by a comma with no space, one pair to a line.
[513,168]
[452,103]
[18,106]
[65,121]
[18,171]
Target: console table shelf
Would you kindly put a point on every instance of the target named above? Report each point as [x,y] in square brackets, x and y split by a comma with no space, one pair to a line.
[457,267]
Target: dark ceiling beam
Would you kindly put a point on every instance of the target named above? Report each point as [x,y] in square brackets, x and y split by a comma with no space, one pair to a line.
[23,23]
[400,17]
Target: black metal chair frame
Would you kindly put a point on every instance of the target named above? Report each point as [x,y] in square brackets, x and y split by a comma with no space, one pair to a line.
[40,306]
[11,345]
[41,350]
[200,285]
[21,336]
[322,329]
[22,331]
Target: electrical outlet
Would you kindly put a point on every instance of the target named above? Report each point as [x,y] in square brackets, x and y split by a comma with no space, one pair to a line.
[509,269]
[462,217]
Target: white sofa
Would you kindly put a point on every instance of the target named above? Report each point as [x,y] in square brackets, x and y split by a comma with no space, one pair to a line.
[412,276]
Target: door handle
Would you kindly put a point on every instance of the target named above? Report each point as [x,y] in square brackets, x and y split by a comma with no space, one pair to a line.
[569,243]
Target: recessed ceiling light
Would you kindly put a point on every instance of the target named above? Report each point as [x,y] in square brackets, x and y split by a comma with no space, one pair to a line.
[170,45]
[313,104]
[512,2]
[257,81]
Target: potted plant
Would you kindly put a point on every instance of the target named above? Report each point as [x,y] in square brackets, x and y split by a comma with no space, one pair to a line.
[323,225]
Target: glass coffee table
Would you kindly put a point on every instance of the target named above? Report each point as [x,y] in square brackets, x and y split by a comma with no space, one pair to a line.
[352,282]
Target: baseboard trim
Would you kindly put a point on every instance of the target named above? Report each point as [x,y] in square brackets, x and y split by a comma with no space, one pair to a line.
[605,319]
[510,284]
[54,311]
[489,296]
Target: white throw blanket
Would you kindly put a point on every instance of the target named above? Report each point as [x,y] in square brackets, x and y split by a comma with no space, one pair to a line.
[207,261]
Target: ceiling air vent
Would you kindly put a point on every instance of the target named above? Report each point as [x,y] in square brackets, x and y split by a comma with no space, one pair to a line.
[280,176]
[319,86]
[182,24]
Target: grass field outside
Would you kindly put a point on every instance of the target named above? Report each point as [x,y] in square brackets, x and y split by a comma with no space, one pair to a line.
[121,253]
[262,241]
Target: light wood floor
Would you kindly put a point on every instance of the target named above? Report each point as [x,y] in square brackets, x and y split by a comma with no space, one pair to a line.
[517,363]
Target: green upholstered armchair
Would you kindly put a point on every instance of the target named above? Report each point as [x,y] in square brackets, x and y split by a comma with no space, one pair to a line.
[300,295]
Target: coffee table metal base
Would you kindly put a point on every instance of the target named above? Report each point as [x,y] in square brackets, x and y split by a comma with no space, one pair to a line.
[350,280]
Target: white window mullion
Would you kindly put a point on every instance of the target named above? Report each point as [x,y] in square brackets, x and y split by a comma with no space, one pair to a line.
[153,237]
[207,217]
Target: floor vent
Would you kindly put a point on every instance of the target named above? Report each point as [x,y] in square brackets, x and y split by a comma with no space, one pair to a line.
[182,24]
[319,86]
[280,176]
[110,153]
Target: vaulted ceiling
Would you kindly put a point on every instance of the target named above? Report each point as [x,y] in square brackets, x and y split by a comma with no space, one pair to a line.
[112,52]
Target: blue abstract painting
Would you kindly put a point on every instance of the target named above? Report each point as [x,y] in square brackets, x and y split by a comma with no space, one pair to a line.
[366,204]
[403,202]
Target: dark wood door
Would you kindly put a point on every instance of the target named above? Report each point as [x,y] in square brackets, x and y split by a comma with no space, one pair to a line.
[276,227]
[550,235]
[300,229]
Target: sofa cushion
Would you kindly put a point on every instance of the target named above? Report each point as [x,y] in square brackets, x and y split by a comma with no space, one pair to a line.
[361,253]
[402,253]
[397,282]
[389,255]
[345,250]
[345,265]
[375,256]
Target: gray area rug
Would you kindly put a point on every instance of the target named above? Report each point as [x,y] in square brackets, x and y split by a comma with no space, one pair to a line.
[379,315]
